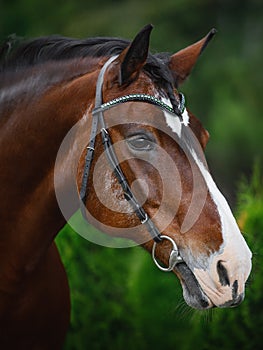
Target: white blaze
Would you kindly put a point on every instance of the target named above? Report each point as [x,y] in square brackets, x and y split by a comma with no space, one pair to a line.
[175,123]
[234,249]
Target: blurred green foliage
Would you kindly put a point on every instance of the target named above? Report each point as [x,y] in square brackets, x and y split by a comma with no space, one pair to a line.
[119,299]
[99,279]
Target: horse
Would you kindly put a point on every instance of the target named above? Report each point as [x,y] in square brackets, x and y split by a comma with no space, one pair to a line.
[99,126]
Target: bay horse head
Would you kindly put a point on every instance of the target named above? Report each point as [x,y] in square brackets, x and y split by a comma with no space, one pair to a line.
[99,124]
[149,180]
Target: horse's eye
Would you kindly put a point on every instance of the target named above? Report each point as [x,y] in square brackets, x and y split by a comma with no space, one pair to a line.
[140,143]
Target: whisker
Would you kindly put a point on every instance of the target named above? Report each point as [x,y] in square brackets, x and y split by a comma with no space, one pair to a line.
[206,316]
[183,311]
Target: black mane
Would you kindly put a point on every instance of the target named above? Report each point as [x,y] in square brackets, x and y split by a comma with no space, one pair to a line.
[15,53]
[18,54]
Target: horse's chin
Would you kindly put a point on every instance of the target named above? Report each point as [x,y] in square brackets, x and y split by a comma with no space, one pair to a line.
[192,292]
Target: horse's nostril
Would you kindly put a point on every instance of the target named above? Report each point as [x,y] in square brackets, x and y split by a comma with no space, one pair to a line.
[222,273]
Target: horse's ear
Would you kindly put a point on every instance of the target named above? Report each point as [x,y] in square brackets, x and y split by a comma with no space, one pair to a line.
[182,62]
[134,57]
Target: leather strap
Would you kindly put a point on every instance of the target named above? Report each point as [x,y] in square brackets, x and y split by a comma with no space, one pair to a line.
[93,133]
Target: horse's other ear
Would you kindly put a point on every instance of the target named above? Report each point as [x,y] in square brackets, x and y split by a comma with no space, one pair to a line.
[182,62]
[134,57]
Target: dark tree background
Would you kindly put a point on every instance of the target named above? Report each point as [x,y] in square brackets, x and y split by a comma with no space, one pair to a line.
[119,299]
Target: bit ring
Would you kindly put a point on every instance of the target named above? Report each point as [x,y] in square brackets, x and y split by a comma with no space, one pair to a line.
[174,258]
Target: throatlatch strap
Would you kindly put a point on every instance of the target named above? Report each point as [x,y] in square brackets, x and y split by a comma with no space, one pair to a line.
[93,133]
[88,160]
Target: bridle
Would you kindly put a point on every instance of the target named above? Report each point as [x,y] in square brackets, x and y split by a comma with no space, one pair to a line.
[98,118]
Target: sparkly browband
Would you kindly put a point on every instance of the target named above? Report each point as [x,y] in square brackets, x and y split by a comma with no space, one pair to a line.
[142,98]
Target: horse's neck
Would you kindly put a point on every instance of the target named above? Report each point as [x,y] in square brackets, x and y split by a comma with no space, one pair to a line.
[29,142]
